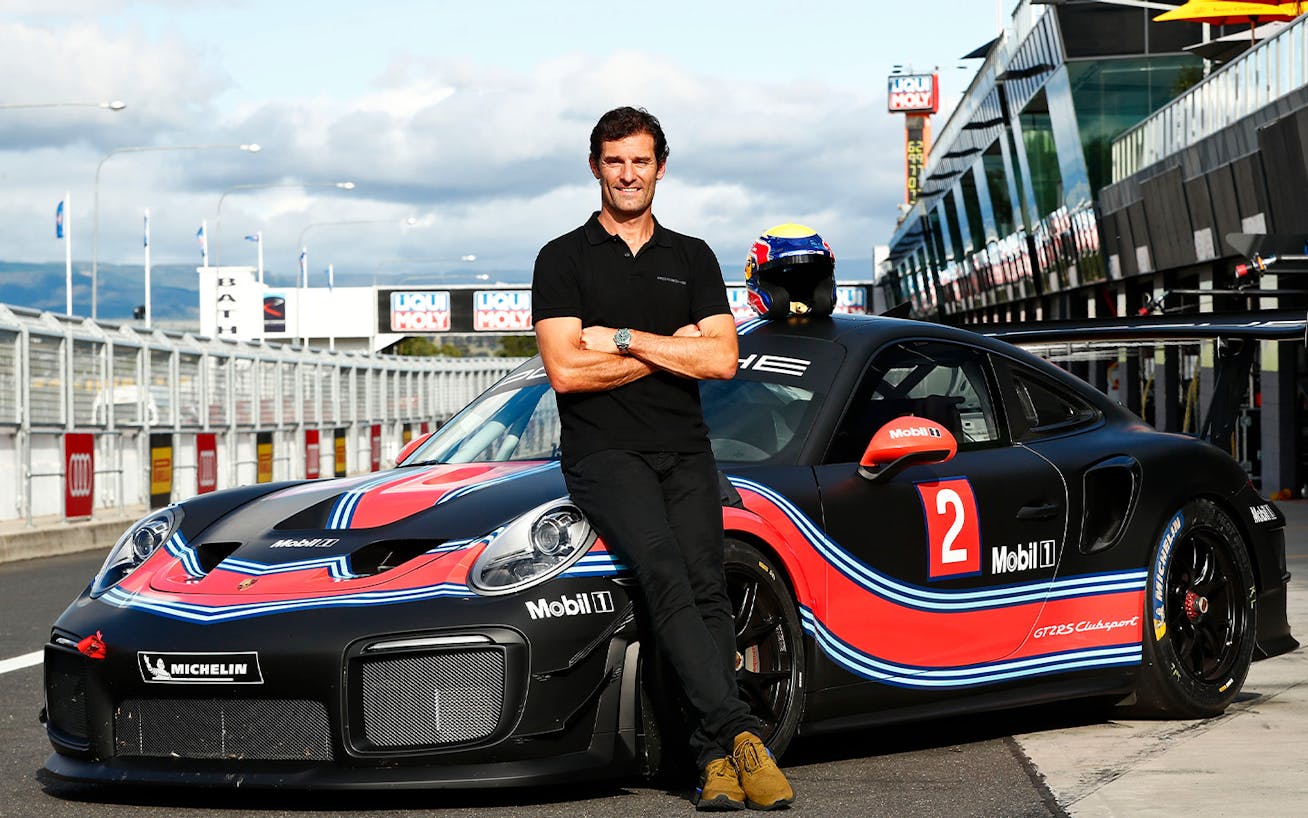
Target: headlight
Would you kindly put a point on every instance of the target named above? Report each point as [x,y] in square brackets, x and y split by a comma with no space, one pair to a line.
[135,547]
[531,549]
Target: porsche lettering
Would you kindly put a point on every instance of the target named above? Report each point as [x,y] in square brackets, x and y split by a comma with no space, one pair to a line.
[1262,514]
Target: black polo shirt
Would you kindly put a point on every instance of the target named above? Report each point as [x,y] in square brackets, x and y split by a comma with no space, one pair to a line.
[674,280]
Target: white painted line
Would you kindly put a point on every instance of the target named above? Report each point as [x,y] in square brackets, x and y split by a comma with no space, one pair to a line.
[20,662]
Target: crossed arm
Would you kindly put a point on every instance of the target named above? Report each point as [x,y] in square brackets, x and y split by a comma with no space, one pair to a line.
[585,359]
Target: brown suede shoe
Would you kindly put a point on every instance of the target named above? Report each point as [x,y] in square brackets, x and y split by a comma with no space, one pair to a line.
[765,785]
[719,787]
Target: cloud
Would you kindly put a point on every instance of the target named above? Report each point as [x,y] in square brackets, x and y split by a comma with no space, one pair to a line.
[492,160]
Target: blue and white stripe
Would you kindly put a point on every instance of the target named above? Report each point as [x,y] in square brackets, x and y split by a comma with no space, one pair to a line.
[899,675]
[343,509]
[191,612]
[749,326]
[931,599]
[600,564]
[470,488]
[178,547]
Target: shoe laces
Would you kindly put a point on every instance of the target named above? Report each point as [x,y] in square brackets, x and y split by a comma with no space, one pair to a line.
[721,768]
[751,758]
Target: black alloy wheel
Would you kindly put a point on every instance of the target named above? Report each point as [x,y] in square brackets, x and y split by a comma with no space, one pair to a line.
[1199,628]
[769,643]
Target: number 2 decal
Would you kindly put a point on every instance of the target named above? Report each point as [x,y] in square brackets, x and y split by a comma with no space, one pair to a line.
[953,528]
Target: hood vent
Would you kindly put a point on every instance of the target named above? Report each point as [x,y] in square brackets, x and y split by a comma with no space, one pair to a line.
[375,558]
[210,554]
[312,518]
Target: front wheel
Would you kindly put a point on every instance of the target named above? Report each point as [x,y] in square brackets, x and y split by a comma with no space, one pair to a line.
[1199,616]
[769,643]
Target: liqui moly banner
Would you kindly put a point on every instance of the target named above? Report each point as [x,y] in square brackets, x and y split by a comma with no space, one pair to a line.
[79,474]
[420,311]
[913,94]
[501,310]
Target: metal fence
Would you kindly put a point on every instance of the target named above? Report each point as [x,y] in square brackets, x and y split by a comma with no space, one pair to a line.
[1257,78]
[124,385]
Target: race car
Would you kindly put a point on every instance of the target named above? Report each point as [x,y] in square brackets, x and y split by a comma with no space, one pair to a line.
[920,520]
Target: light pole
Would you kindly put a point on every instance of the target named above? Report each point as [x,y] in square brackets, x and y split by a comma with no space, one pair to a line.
[467,258]
[303,276]
[95,230]
[218,235]
[116,105]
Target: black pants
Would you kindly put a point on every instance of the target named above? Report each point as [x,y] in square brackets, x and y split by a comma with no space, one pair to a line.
[661,513]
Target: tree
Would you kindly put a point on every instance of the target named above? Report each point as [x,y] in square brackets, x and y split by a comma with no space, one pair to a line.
[517,346]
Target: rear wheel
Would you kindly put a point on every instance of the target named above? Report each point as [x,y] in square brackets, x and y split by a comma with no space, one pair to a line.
[769,643]
[1199,616]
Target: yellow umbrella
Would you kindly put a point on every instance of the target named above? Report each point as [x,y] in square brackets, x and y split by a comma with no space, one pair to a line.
[1229,12]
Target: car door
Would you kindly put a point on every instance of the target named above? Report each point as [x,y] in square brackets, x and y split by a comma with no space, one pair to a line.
[939,569]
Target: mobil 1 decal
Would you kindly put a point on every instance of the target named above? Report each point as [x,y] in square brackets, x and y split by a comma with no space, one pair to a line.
[953,528]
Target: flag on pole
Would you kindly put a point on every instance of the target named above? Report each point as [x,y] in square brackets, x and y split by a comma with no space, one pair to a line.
[204,244]
[59,221]
[304,260]
[146,242]
[254,238]
[331,276]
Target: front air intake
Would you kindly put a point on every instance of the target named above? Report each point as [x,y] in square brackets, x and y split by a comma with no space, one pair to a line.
[433,700]
[233,729]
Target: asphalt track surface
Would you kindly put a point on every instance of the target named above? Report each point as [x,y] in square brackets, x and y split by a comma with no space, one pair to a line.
[960,767]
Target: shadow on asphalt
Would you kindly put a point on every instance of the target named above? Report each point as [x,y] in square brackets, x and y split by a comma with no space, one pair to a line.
[868,743]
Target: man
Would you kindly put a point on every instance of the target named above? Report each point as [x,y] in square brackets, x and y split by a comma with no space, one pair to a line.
[629,317]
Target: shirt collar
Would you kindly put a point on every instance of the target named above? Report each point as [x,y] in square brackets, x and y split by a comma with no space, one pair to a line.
[596,234]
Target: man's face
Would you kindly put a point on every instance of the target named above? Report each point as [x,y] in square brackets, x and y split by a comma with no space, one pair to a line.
[627,172]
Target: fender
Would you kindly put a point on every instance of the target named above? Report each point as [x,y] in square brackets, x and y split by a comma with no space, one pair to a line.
[745,521]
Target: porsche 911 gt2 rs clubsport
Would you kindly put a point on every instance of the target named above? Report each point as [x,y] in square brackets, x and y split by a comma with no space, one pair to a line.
[919,520]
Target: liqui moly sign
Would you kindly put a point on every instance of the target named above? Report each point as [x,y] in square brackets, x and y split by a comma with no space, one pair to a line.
[501,310]
[913,94]
[420,311]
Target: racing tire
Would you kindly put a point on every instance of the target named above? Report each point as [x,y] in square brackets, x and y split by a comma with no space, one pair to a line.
[769,643]
[1199,616]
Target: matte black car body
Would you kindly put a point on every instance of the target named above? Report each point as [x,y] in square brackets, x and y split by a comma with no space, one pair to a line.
[378,662]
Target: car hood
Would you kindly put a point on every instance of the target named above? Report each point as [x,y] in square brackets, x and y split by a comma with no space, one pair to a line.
[419,526]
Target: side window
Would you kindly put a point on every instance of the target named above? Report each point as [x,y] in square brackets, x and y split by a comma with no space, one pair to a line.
[1047,409]
[940,381]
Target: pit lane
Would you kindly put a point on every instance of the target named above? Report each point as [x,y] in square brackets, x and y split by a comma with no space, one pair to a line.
[1057,760]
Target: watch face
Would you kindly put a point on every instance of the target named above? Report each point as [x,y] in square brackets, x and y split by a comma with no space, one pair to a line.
[622,338]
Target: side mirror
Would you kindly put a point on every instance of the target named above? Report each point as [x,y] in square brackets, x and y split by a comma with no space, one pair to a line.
[904,442]
[411,447]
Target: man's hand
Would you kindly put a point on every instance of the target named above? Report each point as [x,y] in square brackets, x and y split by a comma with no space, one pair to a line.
[599,339]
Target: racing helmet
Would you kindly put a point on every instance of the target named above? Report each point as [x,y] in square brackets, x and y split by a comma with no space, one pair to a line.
[791,270]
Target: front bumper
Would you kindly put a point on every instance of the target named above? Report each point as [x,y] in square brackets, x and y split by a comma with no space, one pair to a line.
[525,702]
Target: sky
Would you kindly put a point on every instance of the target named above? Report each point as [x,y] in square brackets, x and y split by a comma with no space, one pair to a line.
[469,118]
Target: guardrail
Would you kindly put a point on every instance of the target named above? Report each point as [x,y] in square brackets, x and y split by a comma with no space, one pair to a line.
[1260,76]
[62,375]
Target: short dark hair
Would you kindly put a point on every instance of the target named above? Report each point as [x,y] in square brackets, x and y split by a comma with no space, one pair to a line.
[626,121]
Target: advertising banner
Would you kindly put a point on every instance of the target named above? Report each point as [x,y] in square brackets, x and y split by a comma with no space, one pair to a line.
[263,446]
[419,311]
[374,446]
[406,435]
[79,474]
[206,463]
[913,94]
[501,310]
[161,469]
[312,455]
[339,448]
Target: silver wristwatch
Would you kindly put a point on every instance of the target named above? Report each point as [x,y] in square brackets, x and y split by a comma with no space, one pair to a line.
[622,340]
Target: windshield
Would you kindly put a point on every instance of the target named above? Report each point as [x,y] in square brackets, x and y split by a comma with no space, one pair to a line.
[760,416]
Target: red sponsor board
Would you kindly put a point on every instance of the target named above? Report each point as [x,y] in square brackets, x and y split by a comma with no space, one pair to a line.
[79,474]
[953,530]
[374,445]
[420,311]
[913,93]
[312,456]
[206,463]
